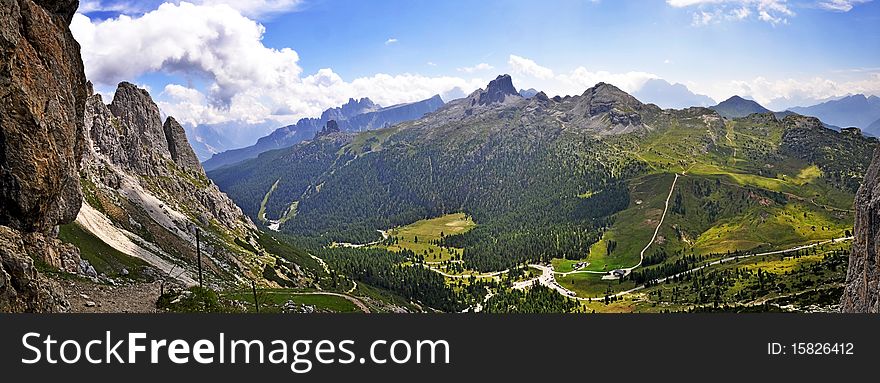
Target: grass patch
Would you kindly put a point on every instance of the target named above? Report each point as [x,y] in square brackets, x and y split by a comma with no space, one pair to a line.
[273,300]
[104,258]
[418,236]
[587,285]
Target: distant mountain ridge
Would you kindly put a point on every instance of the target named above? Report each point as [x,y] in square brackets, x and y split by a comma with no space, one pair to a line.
[528,93]
[874,128]
[856,110]
[354,116]
[674,96]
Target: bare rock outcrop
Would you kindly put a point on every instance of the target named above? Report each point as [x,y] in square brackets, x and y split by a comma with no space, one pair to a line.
[498,90]
[44,90]
[139,127]
[130,136]
[862,292]
[181,152]
[41,141]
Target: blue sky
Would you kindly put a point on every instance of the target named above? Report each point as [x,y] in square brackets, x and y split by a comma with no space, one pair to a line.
[252,60]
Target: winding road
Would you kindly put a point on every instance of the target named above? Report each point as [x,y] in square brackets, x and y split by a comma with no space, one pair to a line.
[729,259]
[548,278]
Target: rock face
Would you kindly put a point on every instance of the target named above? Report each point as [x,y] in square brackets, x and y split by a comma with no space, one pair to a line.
[181,152]
[41,141]
[44,89]
[862,292]
[330,128]
[128,135]
[498,90]
[140,128]
[146,193]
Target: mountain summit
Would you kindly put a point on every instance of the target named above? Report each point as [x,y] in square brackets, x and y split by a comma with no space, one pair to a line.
[737,106]
[498,90]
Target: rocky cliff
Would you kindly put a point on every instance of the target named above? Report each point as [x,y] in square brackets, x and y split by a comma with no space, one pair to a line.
[146,195]
[862,292]
[41,141]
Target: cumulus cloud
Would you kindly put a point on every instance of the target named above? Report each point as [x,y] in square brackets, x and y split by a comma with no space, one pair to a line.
[391,41]
[527,67]
[581,78]
[247,81]
[533,75]
[212,41]
[476,68]
[785,93]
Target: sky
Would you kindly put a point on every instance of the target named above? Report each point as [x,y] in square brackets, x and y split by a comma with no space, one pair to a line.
[267,61]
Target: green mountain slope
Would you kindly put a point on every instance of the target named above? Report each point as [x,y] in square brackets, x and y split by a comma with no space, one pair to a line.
[564,177]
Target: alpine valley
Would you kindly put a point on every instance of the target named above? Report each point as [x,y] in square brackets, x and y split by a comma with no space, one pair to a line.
[572,204]
[501,201]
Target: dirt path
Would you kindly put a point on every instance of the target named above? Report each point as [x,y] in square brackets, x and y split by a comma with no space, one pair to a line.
[659,225]
[357,302]
[357,245]
[88,297]
[322,263]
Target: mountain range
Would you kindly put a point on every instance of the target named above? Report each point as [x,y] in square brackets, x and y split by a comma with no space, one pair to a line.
[547,178]
[356,115]
[494,202]
[856,110]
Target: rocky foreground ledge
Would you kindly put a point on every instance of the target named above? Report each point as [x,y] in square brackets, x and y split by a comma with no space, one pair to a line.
[41,141]
[862,292]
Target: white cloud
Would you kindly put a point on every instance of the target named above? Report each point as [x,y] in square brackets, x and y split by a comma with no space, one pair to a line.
[711,11]
[533,75]
[431,63]
[702,18]
[784,93]
[742,13]
[841,5]
[476,68]
[247,81]
[391,41]
[211,41]
[527,67]
[581,78]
